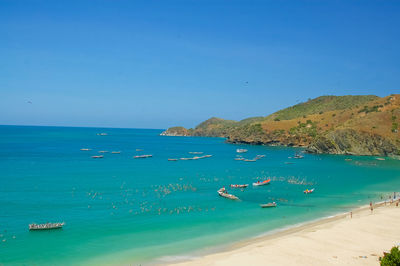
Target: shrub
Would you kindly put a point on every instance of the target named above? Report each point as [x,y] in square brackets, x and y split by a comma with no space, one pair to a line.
[392,258]
[277,119]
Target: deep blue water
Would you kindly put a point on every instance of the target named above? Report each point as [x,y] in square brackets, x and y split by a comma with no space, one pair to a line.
[118,209]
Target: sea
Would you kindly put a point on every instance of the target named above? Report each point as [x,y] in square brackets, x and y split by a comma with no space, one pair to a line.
[119,210]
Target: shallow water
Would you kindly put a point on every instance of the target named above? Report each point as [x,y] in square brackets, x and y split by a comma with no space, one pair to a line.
[119,209]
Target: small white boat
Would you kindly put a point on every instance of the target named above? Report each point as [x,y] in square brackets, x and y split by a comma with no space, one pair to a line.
[196,152]
[239,185]
[241,150]
[102,134]
[103,151]
[223,193]
[380,159]
[46,226]
[85,149]
[249,160]
[268,205]
[172,159]
[239,159]
[115,152]
[142,156]
[97,156]
[298,156]
[262,183]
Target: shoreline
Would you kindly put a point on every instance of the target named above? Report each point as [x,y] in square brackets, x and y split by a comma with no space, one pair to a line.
[277,247]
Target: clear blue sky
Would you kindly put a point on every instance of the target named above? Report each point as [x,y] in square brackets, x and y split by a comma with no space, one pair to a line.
[155,64]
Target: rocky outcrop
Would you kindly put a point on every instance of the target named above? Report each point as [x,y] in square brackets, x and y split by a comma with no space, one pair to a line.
[176,131]
[348,141]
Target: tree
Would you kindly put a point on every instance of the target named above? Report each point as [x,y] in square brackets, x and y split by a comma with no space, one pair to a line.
[392,258]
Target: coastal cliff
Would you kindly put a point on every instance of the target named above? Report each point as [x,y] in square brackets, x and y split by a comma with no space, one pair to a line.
[359,125]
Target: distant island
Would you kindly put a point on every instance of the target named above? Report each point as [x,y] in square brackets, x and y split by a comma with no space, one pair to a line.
[353,125]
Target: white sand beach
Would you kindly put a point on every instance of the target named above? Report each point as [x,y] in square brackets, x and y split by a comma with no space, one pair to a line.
[340,240]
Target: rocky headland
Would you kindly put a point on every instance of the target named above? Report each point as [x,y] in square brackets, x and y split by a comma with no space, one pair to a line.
[357,125]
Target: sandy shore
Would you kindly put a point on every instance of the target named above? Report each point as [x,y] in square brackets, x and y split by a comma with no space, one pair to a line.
[340,240]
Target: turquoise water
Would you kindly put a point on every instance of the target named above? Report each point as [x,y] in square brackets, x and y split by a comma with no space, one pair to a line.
[119,209]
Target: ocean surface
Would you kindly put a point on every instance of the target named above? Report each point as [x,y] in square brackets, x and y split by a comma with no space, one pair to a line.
[120,210]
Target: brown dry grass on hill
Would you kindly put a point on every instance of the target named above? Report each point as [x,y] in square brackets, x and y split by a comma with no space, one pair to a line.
[377,116]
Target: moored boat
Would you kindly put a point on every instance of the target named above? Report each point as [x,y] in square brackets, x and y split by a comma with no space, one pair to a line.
[268,205]
[249,160]
[298,156]
[115,152]
[169,159]
[85,149]
[103,151]
[239,186]
[97,156]
[196,152]
[239,159]
[46,226]
[241,150]
[223,193]
[142,156]
[308,191]
[262,183]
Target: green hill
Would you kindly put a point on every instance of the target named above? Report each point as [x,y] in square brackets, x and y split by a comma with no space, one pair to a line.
[321,104]
[364,125]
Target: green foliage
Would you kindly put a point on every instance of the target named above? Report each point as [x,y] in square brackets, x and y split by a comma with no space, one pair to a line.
[277,119]
[367,109]
[309,128]
[395,126]
[251,120]
[392,258]
[321,104]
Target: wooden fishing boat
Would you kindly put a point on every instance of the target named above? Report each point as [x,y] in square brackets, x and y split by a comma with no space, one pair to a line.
[268,205]
[223,193]
[46,226]
[142,156]
[308,191]
[249,160]
[262,183]
[239,186]
[115,152]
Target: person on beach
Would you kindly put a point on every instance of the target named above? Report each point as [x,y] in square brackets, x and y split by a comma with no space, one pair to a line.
[351,215]
[370,205]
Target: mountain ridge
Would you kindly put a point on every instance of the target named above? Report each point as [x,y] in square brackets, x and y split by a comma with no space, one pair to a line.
[351,124]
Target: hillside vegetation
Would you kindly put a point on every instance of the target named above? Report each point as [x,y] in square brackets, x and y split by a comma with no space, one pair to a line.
[364,125]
